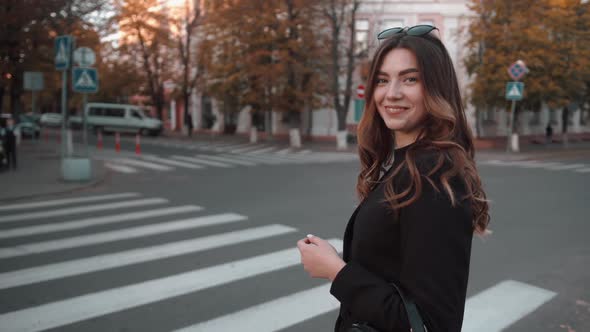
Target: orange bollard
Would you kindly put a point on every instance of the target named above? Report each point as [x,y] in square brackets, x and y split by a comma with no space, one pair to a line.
[99,141]
[117,142]
[137,145]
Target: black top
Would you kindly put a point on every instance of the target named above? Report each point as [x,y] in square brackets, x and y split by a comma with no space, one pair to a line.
[425,250]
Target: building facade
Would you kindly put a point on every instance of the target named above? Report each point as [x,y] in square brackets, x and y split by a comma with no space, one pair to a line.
[451,17]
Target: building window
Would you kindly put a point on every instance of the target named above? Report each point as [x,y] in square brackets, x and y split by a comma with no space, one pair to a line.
[426,22]
[386,24]
[362,35]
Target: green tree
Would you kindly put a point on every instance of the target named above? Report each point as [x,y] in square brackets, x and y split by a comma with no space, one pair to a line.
[186,34]
[341,17]
[27,32]
[145,27]
[545,34]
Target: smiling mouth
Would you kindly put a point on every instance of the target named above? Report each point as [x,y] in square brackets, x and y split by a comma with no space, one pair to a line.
[396,109]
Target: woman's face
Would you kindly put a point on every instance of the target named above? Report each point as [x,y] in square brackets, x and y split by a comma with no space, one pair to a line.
[399,95]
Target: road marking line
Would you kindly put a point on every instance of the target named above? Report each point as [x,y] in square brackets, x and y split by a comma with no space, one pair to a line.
[89,222]
[81,209]
[565,167]
[233,146]
[144,164]
[59,313]
[583,170]
[120,234]
[500,306]
[265,150]
[218,145]
[173,162]
[302,152]
[229,160]
[248,148]
[141,255]
[201,161]
[273,315]
[283,151]
[535,164]
[120,168]
[66,201]
[254,159]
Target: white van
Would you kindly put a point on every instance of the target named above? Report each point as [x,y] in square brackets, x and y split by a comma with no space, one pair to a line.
[122,118]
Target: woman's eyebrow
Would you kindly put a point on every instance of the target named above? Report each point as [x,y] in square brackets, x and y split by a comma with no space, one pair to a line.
[407,71]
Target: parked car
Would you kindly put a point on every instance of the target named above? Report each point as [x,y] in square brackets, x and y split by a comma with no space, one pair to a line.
[119,117]
[50,120]
[27,126]
[28,129]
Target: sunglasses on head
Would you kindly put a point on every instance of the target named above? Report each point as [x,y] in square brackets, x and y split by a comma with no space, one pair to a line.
[417,30]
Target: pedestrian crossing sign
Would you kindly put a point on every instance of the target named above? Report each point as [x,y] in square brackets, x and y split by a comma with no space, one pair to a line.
[514,90]
[63,49]
[85,80]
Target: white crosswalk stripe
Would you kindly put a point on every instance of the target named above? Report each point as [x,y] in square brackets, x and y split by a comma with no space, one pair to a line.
[502,305]
[120,234]
[203,161]
[82,209]
[274,315]
[120,168]
[246,148]
[173,162]
[92,305]
[95,221]
[142,164]
[109,261]
[491,310]
[226,159]
[536,164]
[65,201]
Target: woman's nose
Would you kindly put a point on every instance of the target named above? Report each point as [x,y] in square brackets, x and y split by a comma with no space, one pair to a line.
[394,91]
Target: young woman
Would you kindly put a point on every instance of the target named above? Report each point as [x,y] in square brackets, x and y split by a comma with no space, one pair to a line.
[421,196]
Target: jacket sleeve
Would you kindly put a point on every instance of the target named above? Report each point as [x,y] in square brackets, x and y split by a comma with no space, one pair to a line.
[436,246]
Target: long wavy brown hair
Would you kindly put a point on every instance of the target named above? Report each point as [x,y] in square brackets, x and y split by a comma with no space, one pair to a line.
[445,133]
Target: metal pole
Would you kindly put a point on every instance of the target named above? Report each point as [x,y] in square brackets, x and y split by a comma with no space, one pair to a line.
[84,132]
[33,103]
[510,126]
[33,110]
[63,111]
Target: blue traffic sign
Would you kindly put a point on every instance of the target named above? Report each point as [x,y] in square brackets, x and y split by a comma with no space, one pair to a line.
[85,80]
[517,71]
[63,49]
[514,90]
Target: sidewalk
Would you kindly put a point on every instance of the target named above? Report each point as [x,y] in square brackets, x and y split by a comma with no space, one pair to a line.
[39,173]
[485,145]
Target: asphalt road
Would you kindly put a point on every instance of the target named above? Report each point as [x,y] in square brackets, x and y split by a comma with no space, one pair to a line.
[225,256]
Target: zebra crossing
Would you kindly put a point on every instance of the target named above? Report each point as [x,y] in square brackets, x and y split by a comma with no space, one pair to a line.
[128,163]
[537,164]
[52,230]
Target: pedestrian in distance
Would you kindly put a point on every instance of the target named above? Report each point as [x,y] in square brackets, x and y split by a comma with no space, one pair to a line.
[421,195]
[189,122]
[548,134]
[9,142]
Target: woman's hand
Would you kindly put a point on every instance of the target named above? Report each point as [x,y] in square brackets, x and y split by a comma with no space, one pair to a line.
[319,258]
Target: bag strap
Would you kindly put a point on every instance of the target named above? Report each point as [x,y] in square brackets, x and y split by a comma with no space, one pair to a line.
[416,322]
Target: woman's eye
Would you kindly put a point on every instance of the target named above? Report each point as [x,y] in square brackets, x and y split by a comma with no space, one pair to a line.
[381,81]
[411,79]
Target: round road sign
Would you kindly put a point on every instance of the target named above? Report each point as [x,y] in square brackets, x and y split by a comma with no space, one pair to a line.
[360,91]
[84,57]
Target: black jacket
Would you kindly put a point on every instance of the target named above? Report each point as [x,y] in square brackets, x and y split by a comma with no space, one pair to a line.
[425,250]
